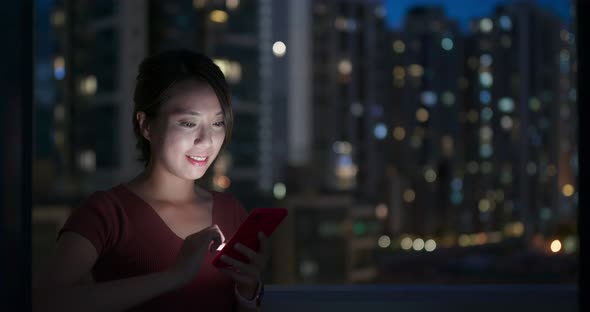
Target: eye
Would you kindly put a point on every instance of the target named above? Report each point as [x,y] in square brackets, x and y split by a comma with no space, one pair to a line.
[219,123]
[187,124]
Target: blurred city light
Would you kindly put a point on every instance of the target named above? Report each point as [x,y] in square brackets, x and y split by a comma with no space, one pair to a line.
[384,241]
[555,246]
[279,49]
[218,16]
[279,191]
[430,245]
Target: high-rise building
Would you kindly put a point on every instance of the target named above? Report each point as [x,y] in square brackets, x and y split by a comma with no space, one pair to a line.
[348,103]
[423,144]
[96,43]
[338,90]
[521,142]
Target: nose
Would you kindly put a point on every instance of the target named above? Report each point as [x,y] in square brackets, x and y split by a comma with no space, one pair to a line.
[203,136]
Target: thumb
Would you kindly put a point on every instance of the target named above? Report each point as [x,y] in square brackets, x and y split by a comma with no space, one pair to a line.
[215,237]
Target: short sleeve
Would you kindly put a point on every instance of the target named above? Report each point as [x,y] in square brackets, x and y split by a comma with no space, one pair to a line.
[96,219]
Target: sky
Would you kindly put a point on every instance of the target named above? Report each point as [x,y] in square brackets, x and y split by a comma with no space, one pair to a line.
[464,10]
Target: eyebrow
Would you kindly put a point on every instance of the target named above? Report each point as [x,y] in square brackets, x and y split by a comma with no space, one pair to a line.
[192,113]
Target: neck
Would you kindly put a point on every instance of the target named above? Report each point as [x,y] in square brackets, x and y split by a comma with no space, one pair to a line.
[161,185]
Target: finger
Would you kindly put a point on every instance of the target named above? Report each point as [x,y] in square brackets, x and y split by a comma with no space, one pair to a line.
[242,267]
[264,245]
[238,277]
[218,230]
[215,239]
[252,255]
[214,244]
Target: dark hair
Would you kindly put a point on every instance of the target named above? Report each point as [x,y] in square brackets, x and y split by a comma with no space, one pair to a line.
[159,72]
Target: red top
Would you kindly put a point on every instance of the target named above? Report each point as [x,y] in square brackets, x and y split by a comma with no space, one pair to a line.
[131,239]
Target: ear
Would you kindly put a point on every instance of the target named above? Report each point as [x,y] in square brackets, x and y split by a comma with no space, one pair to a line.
[144,124]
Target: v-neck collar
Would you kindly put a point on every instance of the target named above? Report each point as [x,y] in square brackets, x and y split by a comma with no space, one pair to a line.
[157,216]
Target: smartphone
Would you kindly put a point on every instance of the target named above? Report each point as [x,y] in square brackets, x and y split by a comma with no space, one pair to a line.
[264,220]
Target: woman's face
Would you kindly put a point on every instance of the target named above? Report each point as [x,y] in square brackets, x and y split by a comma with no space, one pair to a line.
[189,130]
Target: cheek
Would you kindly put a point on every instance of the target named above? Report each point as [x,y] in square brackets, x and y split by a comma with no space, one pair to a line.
[218,138]
[173,141]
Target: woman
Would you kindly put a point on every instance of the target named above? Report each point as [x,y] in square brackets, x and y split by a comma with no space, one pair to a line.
[147,244]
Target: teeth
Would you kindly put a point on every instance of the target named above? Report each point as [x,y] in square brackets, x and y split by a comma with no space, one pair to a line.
[197,158]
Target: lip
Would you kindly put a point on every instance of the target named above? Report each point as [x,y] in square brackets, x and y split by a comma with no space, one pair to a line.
[198,163]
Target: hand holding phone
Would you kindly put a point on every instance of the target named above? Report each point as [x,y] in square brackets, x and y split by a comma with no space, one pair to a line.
[264,220]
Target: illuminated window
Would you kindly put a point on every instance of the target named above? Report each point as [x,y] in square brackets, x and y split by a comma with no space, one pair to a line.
[448,145]
[345,67]
[448,98]
[485,60]
[568,190]
[59,68]
[422,115]
[232,4]
[218,16]
[484,205]
[506,123]
[380,131]
[486,114]
[399,46]
[87,161]
[58,18]
[381,211]
[447,44]
[279,191]
[430,175]
[485,150]
[485,97]
[486,79]
[399,133]
[409,195]
[88,85]
[380,11]
[356,109]
[428,98]
[199,4]
[342,147]
[486,25]
[416,70]
[534,104]
[505,23]
[399,72]
[345,24]
[506,105]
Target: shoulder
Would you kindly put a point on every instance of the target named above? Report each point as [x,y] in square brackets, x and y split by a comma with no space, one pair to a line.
[102,207]
[100,218]
[102,200]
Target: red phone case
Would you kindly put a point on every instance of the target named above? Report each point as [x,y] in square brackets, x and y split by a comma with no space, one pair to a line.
[264,220]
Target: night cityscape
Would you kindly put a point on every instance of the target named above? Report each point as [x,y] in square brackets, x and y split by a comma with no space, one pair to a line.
[414,147]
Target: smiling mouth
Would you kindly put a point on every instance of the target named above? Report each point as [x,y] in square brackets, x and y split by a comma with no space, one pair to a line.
[197,160]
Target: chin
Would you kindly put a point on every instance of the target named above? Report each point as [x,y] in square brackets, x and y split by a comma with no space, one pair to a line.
[195,175]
